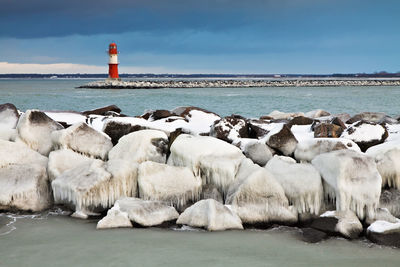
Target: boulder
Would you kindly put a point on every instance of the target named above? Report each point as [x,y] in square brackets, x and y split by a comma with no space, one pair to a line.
[385,233]
[83,139]
[157,114]
[351,179]
[390,200]
[175,185]
[256,150]
[388,162]
[230,128]
[300,120]
[211,215]
[317,113]
[116,129]
[278,115]
[103,110]
[365,134]
[300,181]
[374,117]
[325,130]
[337,121]
[258,198]
[282,139]
[311,235]
[115,219]
[35,128]
[258,128]
[381,214]
[8,121]
[141,146]
[146,212]
[343,223]
[307,150]
[214,160]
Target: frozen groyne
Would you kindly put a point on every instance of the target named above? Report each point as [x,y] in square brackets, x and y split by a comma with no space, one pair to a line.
[330,174]
[213,83]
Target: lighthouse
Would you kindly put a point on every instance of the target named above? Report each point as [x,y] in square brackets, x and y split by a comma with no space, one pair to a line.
[113,61]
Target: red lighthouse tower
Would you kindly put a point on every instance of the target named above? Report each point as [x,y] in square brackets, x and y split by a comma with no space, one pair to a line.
[113,61]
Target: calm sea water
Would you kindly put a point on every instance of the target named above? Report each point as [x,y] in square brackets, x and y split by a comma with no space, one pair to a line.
[252,102]
[63,241]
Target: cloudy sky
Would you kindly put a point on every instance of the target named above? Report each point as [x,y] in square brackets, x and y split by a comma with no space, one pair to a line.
[202,36]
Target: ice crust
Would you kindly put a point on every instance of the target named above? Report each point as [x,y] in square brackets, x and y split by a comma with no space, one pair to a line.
[383,227]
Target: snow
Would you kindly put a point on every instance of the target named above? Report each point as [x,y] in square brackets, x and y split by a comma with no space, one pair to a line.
[364,132]
[175,185]
[306,150]
[302,133]
[301,182]
[67,117]
[141,146]
[83,139]
[215,161]
[210,214]
[384,227]
[352,179]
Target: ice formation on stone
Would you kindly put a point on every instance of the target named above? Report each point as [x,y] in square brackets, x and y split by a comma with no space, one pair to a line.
[35,128]
[8,121]
[140,146]
[115,219]
[352,179]
[256,150]
[211,215]
[175,185]
[214,160]
[301,182]
[83,139]
[257,197]
[348,224]
[383,227]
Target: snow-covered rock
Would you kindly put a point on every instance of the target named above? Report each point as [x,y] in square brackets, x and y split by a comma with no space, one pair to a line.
[83,139]
[387,159]
[211,215]
[230,128]
[352,179]
[279,115]
[257,197]
[300,181]
[256,150]
[214,160]
[115,218]
[365,134]
[35,128]
[66,118]
[146,212]
[385,233]
[140,146]
[390,200]
[381,214]
[175,185]
[8,121]
[309,149]
[344,223]
[282,139]
[103,110]
[18,153]
[115,128]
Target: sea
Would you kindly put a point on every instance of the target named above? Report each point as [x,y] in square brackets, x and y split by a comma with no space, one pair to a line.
[52,238]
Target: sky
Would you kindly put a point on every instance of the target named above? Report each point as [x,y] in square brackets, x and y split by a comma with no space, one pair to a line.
[203,36]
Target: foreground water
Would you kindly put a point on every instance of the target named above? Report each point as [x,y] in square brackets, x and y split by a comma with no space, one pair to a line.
[252,102]
[63,241]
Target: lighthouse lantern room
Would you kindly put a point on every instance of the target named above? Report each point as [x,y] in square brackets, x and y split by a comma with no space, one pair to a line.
[113,61]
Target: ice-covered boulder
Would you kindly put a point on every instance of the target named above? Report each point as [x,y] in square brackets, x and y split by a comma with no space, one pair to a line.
[344,223]
[8,121]
[352,179]
[145,145]
[256,150]
[279,115]
[281,138]
[387,159]
[230,128]
[175,185]
[300,181]
[214,160]
[83,139]
[257,197]
[381,214]
[309,149]
[94,186]
[34,129]
[64,159]
[146,212]
[385,233]
[18,153]
[211,215]
[211,191]
[365,134]
[390,200]
[115,218]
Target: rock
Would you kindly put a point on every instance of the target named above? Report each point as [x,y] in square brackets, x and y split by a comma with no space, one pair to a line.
[102,111]
[306,151]
[317,113]
[141,146]
[35,128]
[258,128]
[344,117]
[175,185]
[214,160]
[374,117]
[185,111]
[12,153]
[278,115]
[324,130]
[257,197]
[300,120]
[282,139]
[344,223]
[300,181]
[337,121]
[256,150]
[381,214]
[211,215]
[83,139]
[385,233]
[230,128]
[352,179]
[388,163]
[365,134]
[146,212]
[64,159]
[115,219]
[390,200]
[157,114]
[115,129]
[8,121]
[311,235]
[209,191]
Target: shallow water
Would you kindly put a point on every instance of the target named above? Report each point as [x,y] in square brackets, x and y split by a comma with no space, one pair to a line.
[60,94]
